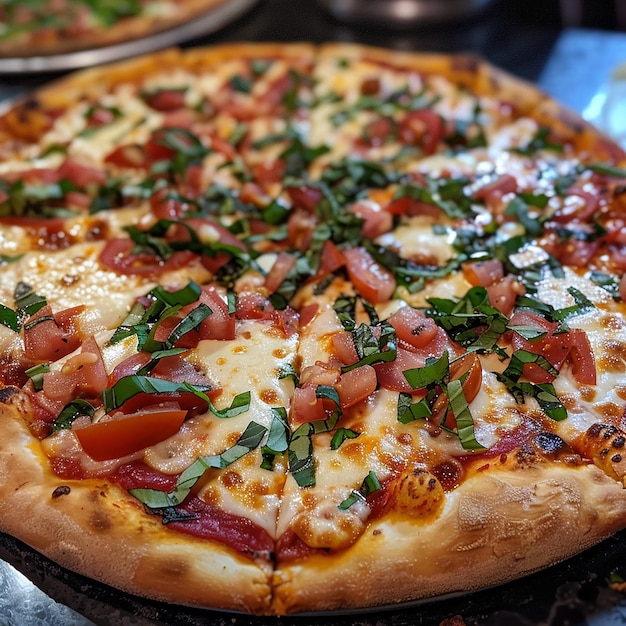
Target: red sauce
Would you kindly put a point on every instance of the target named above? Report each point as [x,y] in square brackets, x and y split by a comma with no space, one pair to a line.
[206,521]
[290,547]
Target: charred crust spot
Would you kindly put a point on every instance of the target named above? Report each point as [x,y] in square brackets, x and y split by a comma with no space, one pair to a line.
[549,443]
[449,473]
[616,458]
[604,431]
[525,455]
[619,441]
[61,490]
[432,484]
[7,393]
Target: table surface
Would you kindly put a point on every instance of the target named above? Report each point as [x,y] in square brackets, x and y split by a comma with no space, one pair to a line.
[574,65]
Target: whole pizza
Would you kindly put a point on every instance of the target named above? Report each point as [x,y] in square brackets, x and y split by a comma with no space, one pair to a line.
[49,27]
[293,328]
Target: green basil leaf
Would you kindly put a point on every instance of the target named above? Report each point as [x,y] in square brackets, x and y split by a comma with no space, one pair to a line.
[409,411]
[369,485]
[341,435]
[248,441]
[76,408]
[462,415]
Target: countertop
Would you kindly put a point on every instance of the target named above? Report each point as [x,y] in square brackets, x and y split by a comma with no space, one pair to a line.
[572,64]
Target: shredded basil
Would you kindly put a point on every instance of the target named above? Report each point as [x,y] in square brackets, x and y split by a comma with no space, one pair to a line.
[341,435]
[277,439]
[69,413]
[369,485]
[248,441]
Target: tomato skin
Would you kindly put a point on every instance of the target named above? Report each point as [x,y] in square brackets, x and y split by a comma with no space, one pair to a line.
[130,155]
[284,263]
[422,128]
[582,359]
[356,385]
[373,282]
[483,273]
[81,175]
[123,435]
[493,192]
[413,328]
[411,207]
[117,255]
[306,406]
[376,222]
[166,99]
[45,340]
[305,198]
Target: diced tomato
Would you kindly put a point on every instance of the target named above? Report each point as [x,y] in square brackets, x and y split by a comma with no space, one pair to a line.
[308,313]
[413,328]
[45,340]
[356,385]
[582,210]
[422,128]
[483,273]
[343,344]
[493,192]
[123,435]
[503,294]
[377,132]
[284,263]
[100,116]
[118,256]
[391,375]
[268,173]
[373,282]
[209,231]
[83,375]
[306,198]
[555,348]
[582,358]
[252,305]
[409,206]
[220,324]
[306,406]
[574,252]
[331,260]
[81,175]
[375,221]
[179,118]
[319,374]
[130,155]
[165,99]
[129,366]
[166,206]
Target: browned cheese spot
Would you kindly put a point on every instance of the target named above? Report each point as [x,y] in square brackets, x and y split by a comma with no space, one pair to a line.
[419,495]
[605,445]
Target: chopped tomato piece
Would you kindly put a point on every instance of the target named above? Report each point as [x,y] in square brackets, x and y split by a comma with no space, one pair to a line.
[411,207]
[555,348]
[300,227]
[374,282]
[306,406]
[118,256]
[305,198]
[413,328]
[483,273]
[356,385]
[284,263]
[166,99]
[81,175]
[45,340]
[422,128]
[376,222]
[583,361]
[343,343]
[123,435]
[130,155]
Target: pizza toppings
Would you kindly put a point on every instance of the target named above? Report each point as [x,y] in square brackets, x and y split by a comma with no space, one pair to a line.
[288,305]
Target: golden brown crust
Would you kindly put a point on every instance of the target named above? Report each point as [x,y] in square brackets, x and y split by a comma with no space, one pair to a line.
[497,526]
[95,528]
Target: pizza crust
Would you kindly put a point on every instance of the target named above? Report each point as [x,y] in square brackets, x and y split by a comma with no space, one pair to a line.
[95,528]
[495,527]
[499,524]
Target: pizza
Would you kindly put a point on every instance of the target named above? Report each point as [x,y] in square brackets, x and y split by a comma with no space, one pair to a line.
[289,328]
[39,28]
